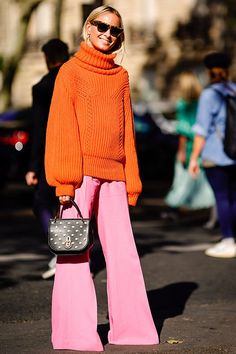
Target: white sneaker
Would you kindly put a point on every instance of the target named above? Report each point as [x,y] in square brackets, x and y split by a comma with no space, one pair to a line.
[52,263]
[210,225]
[49,273]
[223,249]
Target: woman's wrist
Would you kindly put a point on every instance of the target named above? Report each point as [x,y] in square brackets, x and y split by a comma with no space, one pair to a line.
[194,158]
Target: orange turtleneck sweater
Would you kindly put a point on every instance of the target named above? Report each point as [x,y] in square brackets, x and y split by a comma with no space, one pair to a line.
[90,128]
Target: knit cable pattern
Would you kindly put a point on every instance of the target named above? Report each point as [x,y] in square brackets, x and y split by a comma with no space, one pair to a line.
[90,127]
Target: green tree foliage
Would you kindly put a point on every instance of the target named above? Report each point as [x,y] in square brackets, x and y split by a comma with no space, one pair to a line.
[211,26]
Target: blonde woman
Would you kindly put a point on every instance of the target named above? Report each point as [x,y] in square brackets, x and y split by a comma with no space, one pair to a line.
[186,191]
[91,157]
[186,107]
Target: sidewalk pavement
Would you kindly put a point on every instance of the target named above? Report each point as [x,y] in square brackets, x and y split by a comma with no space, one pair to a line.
[192,296]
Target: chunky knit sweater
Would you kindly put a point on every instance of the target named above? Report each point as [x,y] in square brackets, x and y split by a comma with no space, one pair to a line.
[90,128]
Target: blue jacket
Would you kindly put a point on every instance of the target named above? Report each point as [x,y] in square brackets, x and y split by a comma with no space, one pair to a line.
[210,122]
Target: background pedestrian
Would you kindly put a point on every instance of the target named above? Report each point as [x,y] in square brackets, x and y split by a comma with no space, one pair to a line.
[208,143]
[44,200]
[188,192]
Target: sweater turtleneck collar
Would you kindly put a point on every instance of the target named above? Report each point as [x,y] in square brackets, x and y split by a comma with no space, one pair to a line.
[94,60]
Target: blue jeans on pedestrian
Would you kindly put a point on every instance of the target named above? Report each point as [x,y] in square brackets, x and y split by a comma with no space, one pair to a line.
[223,182]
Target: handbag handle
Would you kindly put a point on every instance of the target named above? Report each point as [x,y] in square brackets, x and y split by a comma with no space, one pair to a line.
[59,214]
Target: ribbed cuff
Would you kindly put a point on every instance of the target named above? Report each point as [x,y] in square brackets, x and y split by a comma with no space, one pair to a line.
[65,189]
[132,198]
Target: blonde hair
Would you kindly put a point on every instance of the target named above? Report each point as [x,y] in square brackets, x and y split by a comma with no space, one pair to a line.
[94,14]
[189,86]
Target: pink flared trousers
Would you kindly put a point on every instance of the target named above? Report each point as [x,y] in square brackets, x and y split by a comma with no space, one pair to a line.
[74,306]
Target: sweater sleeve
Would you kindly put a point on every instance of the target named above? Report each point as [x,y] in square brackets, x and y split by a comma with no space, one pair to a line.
[63,157]
[133,182]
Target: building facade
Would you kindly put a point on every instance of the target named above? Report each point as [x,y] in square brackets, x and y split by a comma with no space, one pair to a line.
[144,20]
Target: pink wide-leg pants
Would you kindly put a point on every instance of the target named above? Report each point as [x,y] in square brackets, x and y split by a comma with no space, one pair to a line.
[74,306]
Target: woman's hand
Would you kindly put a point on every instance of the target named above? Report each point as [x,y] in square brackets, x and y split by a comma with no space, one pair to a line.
[181,153]
[193,168]
[198,144]
[64,199]
[31,178]
[181,156]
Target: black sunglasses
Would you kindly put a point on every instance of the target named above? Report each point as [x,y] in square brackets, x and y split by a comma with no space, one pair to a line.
[103,27]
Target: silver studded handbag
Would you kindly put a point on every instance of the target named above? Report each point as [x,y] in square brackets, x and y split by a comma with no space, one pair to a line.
[69,236]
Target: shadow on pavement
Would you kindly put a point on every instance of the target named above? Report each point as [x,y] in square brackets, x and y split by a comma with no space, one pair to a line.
[169,301]
[166,302]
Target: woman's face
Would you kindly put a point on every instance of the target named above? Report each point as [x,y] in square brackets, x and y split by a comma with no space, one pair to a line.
[101,37]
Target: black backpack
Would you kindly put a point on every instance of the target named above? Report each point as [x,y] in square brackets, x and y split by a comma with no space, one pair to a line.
[229,139]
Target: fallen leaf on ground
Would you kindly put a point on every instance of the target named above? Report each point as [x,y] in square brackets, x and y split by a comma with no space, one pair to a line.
[174,341]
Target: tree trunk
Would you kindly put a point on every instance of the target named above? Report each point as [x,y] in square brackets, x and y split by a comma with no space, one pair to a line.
[58,12]
[10,64]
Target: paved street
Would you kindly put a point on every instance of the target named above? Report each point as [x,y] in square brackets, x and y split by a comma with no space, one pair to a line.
[192,297]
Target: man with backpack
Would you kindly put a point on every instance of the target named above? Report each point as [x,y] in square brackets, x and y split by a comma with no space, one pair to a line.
[214,142]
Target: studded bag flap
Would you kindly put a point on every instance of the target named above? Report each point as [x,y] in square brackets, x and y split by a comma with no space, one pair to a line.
[69,236]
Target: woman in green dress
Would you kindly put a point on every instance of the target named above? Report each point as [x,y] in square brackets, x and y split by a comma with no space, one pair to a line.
[186,191]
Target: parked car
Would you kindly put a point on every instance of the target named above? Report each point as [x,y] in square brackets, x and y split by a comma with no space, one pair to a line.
[14,144]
